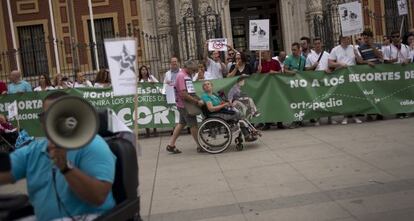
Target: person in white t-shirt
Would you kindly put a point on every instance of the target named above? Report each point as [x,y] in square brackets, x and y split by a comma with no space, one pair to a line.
[410,42]
[396,52]
[215,67]
[102,79]
[81,81]
[342,56]
[317,59]
[44,83]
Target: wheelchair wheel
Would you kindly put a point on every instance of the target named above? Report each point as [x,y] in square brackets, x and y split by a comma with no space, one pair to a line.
[239,143]
[214,135]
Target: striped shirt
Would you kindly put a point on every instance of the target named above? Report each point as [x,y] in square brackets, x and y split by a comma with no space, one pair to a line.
[368,54]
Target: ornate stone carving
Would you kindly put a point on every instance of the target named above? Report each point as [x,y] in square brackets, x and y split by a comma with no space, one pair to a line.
[204,4]
[163,12]
[314,6]
[185,5]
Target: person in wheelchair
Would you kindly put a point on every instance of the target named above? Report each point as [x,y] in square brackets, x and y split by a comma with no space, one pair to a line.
[241,101]
[224,110]
[216,106]
[74,184]
[8,132]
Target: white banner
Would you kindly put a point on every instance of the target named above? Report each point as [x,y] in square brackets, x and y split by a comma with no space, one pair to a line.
[402,7]
[217,44]
[12,110]
[259,35]
[351,18]
[122,62]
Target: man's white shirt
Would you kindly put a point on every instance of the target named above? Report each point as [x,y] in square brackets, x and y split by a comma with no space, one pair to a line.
[343,55]
[313,58]
[214,69]
[391,52]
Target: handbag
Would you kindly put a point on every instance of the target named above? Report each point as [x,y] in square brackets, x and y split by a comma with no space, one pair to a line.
[191,108]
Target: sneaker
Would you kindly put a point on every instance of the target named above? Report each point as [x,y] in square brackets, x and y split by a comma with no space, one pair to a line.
[357,120]
[256,114]
[345,121]
[317,124]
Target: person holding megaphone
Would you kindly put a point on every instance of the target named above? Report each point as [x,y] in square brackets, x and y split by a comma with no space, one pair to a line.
[70,173]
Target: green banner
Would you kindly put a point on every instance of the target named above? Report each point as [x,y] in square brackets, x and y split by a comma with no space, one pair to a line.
[384,89]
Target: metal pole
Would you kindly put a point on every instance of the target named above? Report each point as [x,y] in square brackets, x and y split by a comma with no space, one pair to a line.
[52,21]
[93,34]
[13,34]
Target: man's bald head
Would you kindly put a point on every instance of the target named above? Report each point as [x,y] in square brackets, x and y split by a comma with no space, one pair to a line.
[14,76]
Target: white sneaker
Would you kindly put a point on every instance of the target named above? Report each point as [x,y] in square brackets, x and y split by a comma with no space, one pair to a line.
[345,121]
[357,120]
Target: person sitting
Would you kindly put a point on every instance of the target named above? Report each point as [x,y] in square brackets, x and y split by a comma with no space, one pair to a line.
[235,95]
[8,131]
[216,106]
[44,83]
[81,81]
[74,184]
[103,79]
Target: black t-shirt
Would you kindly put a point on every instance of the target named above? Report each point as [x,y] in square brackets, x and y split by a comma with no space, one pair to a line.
[247,70]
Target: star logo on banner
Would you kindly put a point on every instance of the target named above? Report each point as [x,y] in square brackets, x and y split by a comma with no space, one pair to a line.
[402,5]
[126,61]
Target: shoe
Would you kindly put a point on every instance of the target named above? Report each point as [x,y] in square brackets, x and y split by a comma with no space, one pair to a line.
[369,118]
[266,127]
[345,121]
[173,149]
[317,124]
[280,125]
[200,150]
[357,120]
[256,114]
[380,117]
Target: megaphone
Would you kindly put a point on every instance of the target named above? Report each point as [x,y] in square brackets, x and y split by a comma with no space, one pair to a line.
[70,122]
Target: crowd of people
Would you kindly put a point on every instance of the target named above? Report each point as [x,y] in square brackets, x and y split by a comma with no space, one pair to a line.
[306,55]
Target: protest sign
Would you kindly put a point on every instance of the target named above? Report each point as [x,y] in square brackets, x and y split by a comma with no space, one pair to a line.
[122,62]
[351,18]
[217,44]
[259,35]
[402,7]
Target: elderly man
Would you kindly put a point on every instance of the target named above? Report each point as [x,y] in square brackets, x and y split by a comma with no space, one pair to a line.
[171,75]
[215,66]
[62,184]
[17,85]
[81,81]
[185,92]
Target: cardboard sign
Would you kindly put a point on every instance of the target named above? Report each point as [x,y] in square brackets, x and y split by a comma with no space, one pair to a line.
[217,44]
[351,18]
[259,35]
[122,62]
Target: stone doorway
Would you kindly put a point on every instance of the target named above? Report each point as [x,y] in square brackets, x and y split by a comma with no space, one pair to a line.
[241,11]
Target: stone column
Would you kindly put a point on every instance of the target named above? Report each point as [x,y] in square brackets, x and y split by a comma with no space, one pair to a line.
[294,24]
[314,8]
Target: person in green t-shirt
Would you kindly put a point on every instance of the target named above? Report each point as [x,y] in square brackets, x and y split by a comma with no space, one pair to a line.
[295,62]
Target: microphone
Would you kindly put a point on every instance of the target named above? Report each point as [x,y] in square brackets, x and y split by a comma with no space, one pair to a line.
[5,164]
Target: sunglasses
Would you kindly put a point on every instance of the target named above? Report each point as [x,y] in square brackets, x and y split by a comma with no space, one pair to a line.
[231,54]
[395,36]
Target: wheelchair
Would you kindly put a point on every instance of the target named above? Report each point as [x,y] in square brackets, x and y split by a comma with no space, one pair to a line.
[216,133]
